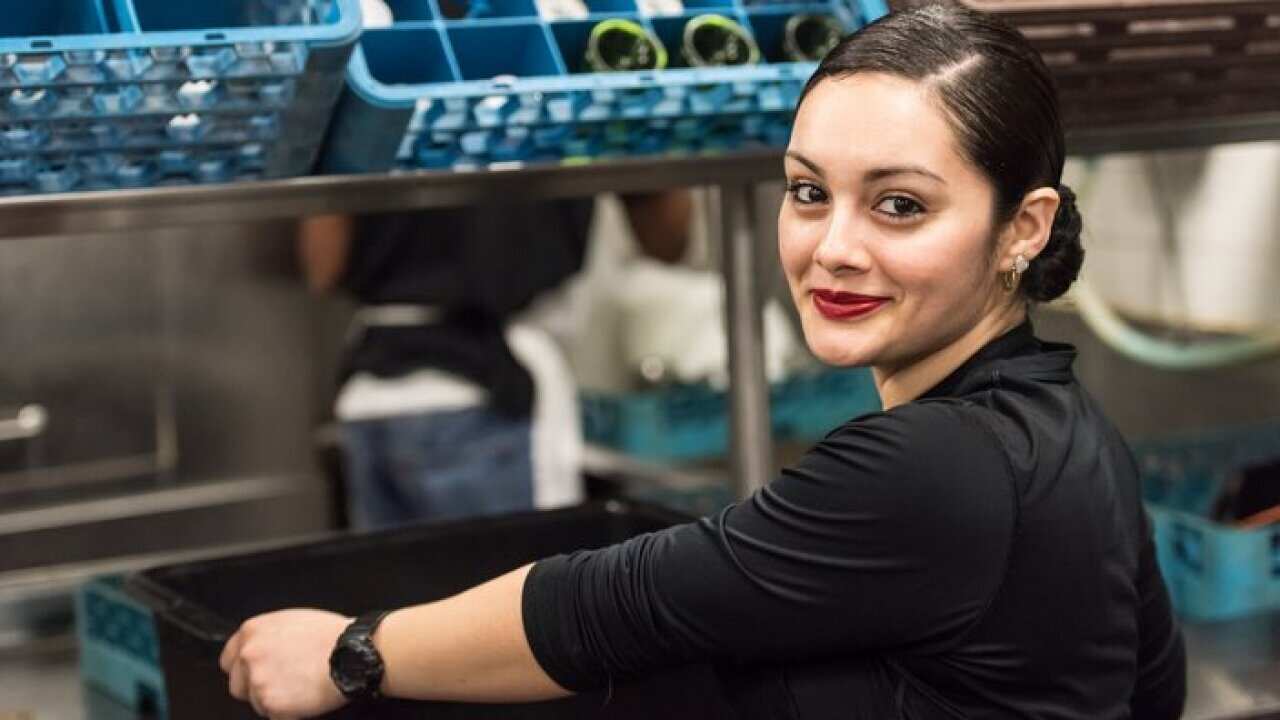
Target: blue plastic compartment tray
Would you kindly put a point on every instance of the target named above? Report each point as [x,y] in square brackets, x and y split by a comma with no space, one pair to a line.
[98,94]
[436,92]
[1214,571]
[685,422]
[119,650]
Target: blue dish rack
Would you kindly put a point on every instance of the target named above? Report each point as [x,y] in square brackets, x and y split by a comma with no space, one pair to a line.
[1213,571]
[688,422]
[100,94]
[431,92]
[119,649]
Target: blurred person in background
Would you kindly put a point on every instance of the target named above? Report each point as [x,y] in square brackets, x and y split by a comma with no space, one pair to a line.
[440,382]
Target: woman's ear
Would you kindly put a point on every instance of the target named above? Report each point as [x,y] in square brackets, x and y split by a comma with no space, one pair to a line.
[1028,232]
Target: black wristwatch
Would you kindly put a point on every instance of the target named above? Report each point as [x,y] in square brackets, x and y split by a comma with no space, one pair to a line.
[355,665]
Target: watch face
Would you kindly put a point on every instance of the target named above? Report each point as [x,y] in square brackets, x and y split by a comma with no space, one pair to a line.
[354,668]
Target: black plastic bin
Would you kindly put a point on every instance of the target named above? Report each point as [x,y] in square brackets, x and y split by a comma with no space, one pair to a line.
[198,605]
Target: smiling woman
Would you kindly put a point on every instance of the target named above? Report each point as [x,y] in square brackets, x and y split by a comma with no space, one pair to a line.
[957,198]
[977,549]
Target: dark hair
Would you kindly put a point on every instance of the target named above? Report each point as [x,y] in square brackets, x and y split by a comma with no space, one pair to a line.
[1001,103]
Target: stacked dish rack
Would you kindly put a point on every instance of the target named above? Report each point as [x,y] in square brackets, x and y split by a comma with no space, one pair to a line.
[504,84]
[98,94]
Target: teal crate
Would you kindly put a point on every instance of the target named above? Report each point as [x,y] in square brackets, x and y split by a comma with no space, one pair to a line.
[1213,571]
[686,422]
[103,94]
[504,85]
[119,651]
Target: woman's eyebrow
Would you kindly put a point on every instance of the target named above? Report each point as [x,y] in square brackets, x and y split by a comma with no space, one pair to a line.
[884,172]
[873,174]
[805,162]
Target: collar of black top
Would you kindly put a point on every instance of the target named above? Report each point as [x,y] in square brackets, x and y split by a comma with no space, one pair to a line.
[1018,354]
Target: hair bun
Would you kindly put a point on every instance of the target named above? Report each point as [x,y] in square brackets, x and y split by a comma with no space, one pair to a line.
[1058,265]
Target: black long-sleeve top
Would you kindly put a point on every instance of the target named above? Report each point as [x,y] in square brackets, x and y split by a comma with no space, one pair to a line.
[980,552]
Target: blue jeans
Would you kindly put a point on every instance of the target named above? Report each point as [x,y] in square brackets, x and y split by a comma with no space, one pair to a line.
[448,464]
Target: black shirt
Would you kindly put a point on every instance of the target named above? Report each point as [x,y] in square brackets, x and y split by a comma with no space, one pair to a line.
[981,552]
[480,265]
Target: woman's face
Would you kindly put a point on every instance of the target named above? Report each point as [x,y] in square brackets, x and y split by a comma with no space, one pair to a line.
[885,233]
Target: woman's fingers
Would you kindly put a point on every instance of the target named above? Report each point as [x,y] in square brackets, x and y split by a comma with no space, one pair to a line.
[257,704]
[278,663]
[240,683]
[230,652]
[238,680]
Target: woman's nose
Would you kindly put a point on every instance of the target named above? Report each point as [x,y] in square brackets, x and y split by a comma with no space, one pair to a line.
[842,250]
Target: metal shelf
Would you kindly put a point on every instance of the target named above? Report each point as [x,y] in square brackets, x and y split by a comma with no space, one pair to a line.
[1175,133]
[136,210]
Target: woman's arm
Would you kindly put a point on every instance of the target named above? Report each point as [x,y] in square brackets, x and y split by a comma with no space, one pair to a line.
[839,554]
[470,647]
[661,222]
[324,243]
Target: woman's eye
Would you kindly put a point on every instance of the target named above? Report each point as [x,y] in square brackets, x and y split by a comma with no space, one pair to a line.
[806,193]
[899,207]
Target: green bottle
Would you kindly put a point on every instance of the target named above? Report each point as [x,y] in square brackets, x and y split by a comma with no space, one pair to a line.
[711,40]
[617,45]
[808,38]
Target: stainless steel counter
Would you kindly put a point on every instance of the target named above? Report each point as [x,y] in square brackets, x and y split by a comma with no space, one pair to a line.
[1234,669]
[1234,674]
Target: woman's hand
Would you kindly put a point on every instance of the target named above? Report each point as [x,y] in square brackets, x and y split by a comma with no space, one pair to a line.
[279,663]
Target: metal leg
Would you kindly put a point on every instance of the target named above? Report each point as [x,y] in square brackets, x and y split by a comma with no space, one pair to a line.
[750,437]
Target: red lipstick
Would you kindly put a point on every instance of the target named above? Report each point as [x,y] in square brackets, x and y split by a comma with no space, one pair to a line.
[844,306]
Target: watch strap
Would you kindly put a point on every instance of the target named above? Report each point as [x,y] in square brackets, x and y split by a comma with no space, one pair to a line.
[367,624]
[360,633]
